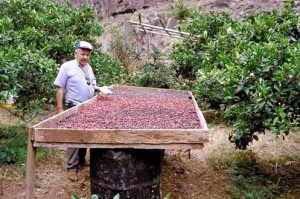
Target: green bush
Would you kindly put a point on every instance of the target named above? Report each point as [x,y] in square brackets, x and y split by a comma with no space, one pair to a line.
[154,75]
[107,71]
[206,45]
[249,70]
[13,145]
[36,37]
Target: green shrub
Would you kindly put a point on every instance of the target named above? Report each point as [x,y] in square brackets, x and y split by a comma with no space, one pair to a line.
[206,47]
[154,75]
[36,37]
[107,71]
[248,70]
[13,145]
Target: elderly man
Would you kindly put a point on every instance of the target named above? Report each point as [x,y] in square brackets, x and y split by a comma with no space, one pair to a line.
[75,83]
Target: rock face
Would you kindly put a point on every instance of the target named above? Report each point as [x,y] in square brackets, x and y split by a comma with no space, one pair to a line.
[117,13]
[236,8]
[106,8]
[239,8]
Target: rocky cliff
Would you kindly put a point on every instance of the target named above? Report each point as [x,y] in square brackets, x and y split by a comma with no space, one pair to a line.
[106,8]
[237,8]
[117,13]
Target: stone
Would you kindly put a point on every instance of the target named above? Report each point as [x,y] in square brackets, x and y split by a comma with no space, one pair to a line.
[172,23]
[106,8]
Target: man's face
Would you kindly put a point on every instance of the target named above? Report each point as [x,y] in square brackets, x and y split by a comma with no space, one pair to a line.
[82,56]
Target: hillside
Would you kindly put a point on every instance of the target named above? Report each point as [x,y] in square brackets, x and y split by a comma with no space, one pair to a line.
[163,13]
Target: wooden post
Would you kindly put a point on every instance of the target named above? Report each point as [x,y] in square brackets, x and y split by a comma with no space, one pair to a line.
[30,167]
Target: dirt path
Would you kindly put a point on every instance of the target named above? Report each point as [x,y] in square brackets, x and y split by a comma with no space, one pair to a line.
[7,118]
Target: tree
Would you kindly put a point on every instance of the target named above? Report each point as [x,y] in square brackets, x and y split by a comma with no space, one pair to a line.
[36,37]
[248,70]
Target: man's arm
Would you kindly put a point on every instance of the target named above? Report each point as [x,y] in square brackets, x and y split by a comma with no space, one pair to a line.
[59,99]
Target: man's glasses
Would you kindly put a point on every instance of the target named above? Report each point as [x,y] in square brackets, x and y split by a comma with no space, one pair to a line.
[88,80]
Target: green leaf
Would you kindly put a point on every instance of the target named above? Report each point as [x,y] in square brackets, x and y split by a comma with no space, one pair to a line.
[74,197]
[3,155]
[275,120]
[2,76]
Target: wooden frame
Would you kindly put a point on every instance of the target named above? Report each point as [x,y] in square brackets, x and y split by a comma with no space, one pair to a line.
[40,135]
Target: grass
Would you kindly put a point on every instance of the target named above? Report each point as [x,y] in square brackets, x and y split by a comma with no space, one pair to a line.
[13,151]
[255,175]
[295,134]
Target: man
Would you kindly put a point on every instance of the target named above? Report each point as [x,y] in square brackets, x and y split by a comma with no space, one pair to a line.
[75,83]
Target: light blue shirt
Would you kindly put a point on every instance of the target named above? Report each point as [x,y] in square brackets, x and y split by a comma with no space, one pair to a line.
[74,80]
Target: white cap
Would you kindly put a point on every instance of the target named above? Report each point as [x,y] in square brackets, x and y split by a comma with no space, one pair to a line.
[84,44]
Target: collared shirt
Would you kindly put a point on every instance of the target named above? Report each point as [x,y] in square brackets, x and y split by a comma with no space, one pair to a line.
[77,82]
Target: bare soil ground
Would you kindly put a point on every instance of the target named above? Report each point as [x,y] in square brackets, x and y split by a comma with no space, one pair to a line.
[184,175]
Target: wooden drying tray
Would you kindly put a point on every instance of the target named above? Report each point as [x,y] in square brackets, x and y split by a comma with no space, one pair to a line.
[40,135]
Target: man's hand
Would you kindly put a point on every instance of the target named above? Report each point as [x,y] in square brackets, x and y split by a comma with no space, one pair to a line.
[104,89]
